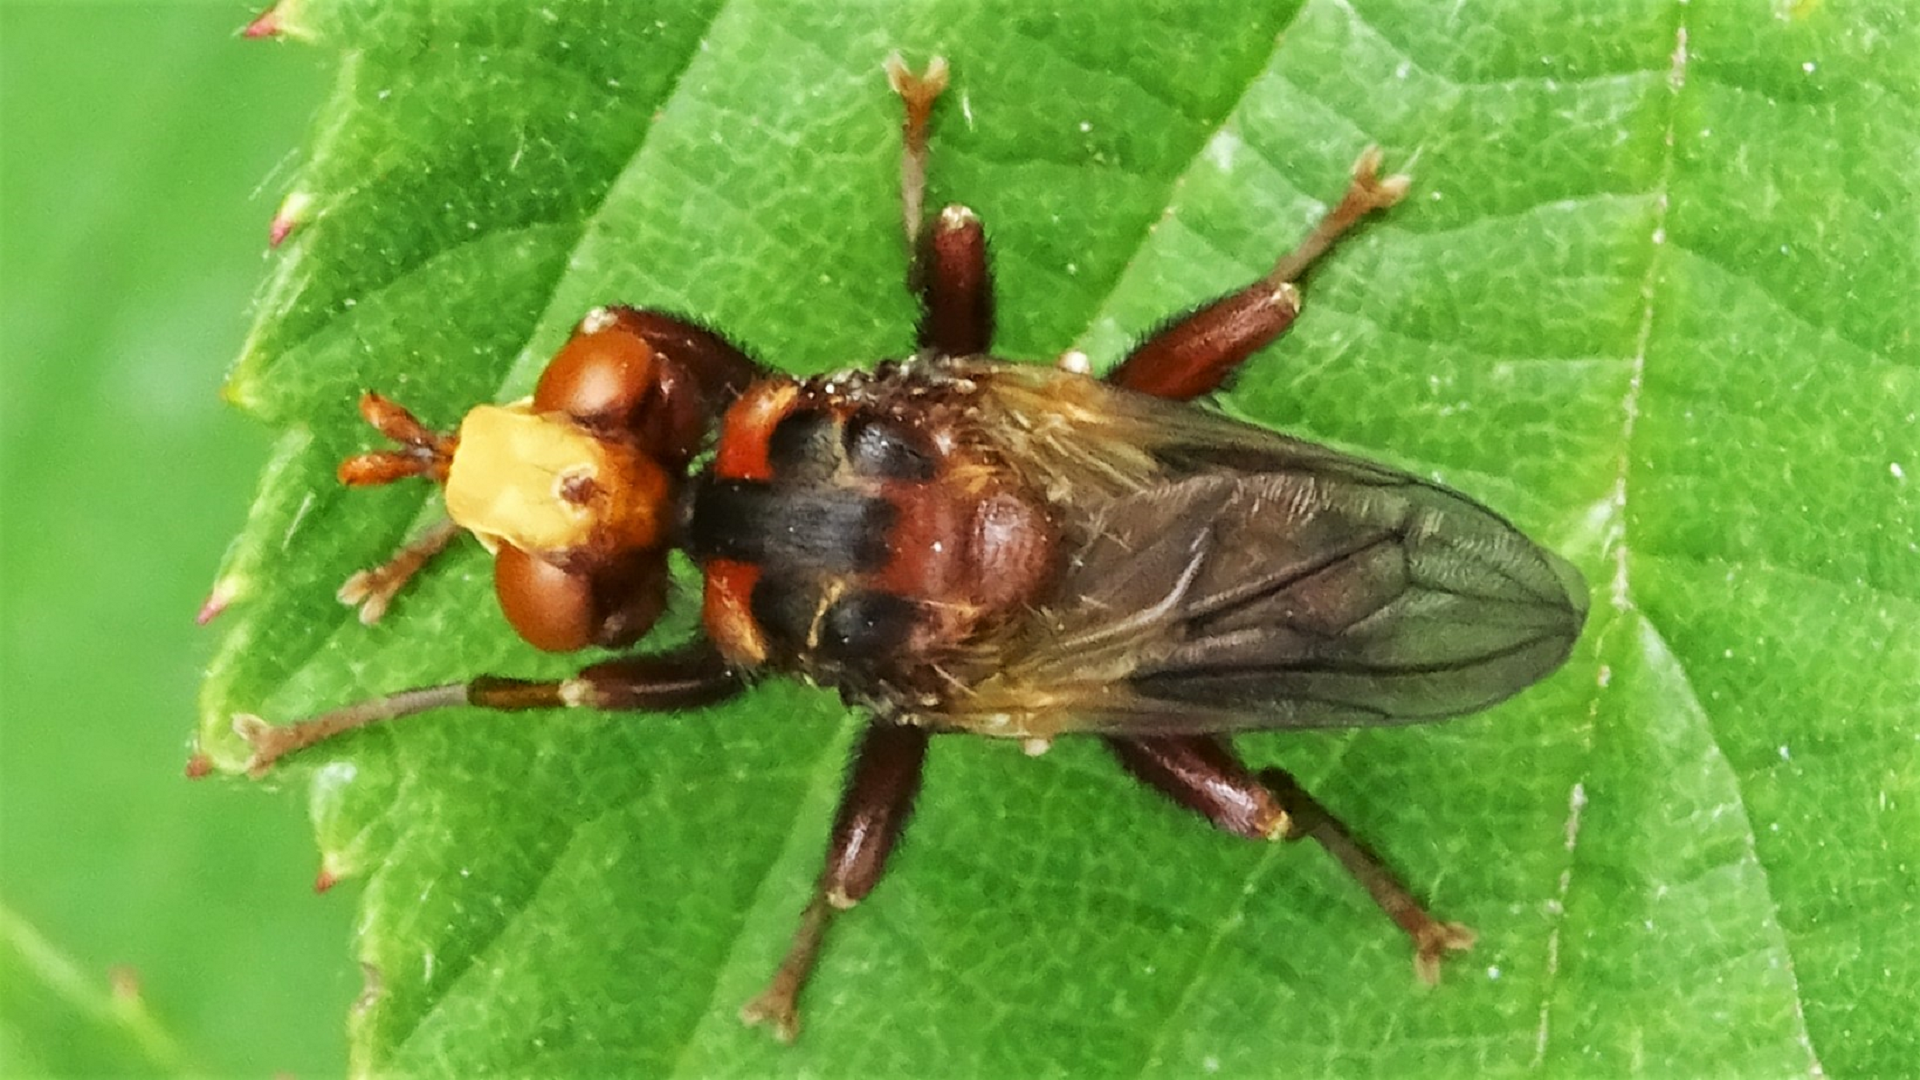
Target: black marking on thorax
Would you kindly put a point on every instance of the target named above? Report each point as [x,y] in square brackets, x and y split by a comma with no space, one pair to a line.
[822,512]
[814,528]
[787,527]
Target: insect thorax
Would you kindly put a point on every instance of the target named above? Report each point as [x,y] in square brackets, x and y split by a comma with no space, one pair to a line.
[863,532]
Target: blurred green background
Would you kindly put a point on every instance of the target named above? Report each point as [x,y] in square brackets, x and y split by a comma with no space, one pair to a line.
[142,152]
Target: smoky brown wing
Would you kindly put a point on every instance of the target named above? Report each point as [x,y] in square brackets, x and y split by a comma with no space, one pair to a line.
[1299,595]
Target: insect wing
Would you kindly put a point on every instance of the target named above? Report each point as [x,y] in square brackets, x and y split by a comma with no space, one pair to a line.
[1258,581]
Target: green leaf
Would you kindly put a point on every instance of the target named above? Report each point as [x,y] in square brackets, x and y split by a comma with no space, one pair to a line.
[1651,296]
[57,1021]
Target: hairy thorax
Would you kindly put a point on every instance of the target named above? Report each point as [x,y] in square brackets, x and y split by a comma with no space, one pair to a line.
[863,531]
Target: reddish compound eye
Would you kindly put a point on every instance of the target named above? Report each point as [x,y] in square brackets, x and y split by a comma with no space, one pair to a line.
[561,610]
[549,607]
[610,378]
[601,375]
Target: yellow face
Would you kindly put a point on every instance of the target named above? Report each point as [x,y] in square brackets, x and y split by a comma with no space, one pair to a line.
[544,484]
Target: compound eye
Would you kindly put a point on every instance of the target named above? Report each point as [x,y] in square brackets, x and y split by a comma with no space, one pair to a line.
[601,376]
[546,605]
[561,610]
[611,380]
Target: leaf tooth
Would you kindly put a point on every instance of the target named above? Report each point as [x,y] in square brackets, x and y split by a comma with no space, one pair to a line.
[295,210]
[282,19]
[225,590]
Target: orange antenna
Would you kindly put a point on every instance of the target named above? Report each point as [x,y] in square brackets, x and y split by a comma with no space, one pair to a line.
[423,451]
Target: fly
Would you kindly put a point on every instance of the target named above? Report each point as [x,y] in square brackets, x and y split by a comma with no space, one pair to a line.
[959,543]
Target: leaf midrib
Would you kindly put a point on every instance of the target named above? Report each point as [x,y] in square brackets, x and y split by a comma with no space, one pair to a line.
[1625,611]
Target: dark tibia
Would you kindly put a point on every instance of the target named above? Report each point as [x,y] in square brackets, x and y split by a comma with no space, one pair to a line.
[881,785]
[955,284]
[689,677]
[1202,773]
[1196,353]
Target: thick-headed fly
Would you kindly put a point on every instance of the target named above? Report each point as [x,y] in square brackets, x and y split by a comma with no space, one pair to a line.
[960,543]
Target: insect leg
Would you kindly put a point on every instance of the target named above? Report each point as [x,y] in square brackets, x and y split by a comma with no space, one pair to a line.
[1203,774]
[881,784]
[918,93]
[1200,773]
[949,271]
[688,677]
[1197,352]
[372,589]
[1432,939]
[955,285]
